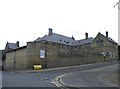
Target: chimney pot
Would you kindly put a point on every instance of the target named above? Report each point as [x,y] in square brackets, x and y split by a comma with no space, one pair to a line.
[86,35]
[106,34]
[17,43]
[73,37]
[50,31]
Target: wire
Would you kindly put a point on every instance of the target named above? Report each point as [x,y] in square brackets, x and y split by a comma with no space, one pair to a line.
[117,4]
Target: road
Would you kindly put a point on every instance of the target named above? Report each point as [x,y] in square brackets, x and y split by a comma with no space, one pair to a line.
[91,78]
[45,78]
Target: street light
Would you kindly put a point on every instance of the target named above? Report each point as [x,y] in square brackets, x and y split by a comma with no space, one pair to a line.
[104,57]
[103,54]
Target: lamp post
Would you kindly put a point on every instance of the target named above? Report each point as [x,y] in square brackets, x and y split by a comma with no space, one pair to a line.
[104,57]
[103,54]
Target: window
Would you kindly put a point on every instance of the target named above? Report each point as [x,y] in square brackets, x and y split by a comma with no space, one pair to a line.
[67,42]
[99,41]
[68,47]
[62,45]
[87,45]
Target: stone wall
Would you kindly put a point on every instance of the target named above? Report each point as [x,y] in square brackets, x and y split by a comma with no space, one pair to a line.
[9,62]
[56,55]
[16,59]
[20,59]
[70,60]
[108,47]
[33,53]
[55,58]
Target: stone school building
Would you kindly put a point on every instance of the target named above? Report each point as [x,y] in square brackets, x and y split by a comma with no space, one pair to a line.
[55,50]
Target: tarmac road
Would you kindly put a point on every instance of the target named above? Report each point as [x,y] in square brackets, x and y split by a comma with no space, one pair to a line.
[45,78]
[90,78]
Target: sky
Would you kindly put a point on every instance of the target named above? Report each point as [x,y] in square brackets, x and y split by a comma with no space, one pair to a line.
[26,20]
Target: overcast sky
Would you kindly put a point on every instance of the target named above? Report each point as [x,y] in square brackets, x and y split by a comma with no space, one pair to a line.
[26,20]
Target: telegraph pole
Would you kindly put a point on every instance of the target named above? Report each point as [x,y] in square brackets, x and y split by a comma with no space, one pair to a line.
[118,28]
[117,4]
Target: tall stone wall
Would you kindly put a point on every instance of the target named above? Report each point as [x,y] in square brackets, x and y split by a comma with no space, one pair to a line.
[21,59]
[53,57]
[16,59]
[70,60]
[33,53]
[56,55]
[9,62]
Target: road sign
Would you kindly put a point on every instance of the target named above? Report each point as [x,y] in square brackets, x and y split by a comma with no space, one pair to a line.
[42,54]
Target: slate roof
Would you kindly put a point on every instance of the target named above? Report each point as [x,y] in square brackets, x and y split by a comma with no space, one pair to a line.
[110,39]
[83,41]
[57,38]
[16,49]
[38,39]
[12,45]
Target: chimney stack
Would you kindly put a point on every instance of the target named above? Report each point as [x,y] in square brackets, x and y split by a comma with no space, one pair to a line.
[86,35]
[50,31]
[17,43]
[73,37]
[106,34]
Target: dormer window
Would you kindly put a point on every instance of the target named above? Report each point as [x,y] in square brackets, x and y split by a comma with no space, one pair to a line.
[99,40]
[67,42]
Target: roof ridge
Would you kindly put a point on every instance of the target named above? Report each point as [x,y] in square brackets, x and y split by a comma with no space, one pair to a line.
[12,43]
[62,35]
[85,39]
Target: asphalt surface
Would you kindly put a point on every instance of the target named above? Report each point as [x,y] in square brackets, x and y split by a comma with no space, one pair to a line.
[45,78]
[90,78]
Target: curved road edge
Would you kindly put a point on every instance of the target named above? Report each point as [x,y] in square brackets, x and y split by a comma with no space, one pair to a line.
[60,82]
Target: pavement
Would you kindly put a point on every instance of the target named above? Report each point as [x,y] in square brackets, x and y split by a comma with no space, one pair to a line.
[91,78]
[62,68]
